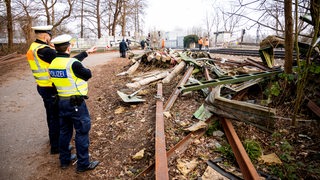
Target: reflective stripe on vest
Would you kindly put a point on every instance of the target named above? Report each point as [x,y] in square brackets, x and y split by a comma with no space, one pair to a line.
[64,79]
[38,67]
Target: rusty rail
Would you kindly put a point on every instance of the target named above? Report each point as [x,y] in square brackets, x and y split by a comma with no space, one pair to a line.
[253,62]
[246,166]
[177,91]
[161,161]
[314,108]
[179,148]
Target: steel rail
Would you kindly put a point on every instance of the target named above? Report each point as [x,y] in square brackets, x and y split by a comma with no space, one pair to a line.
[245,164]
[243,160]
[253,62]
[177,91]
[179,148]
[161,162]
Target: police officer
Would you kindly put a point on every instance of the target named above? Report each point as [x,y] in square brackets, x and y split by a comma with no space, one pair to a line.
[39,56]
[70,78]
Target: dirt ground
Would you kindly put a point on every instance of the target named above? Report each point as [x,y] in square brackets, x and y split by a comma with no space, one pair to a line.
[119,130]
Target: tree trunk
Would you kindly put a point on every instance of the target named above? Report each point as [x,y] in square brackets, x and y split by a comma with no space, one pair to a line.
[98,19]
[52,14]
[9,24]
[288,37]
[115,16]
[27,31]
[81,20]
[123,22]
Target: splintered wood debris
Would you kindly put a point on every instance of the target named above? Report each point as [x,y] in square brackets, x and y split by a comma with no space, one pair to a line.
[165,65]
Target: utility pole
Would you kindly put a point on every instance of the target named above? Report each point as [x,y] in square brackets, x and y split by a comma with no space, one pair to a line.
[258,34]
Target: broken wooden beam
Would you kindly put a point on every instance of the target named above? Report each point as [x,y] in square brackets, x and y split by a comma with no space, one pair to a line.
[259,116]
[177,69]
[246,166]
[133,68]
[148,80]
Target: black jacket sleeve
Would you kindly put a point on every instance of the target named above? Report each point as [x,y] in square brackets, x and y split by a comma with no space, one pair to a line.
[81,56]
[48,54]
[80,71]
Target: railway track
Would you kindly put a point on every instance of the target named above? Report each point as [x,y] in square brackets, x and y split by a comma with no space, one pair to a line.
[244,52]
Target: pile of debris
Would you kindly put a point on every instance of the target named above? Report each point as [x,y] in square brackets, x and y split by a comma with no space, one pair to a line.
[222,81]
[231,76]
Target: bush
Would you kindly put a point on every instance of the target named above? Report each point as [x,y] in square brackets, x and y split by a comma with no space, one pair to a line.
[187,40]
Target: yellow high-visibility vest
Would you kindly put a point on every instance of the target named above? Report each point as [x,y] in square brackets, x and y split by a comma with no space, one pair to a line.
[63,77]
[38,67]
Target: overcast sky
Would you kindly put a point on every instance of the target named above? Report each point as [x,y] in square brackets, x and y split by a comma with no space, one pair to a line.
[167,15]
[170,15]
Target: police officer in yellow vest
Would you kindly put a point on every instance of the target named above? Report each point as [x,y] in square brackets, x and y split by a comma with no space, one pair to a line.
[39,56]
[70,78]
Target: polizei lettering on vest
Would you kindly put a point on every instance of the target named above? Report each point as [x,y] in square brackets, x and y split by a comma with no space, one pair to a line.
[58,73]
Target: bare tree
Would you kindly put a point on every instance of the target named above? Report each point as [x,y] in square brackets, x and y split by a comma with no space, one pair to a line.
[231,19]
[138,7]
[116,12]
[135,15]
[25,12]
[270,14]
[288,36]
[9,24]
[123,21]
[209,22]
[54,18]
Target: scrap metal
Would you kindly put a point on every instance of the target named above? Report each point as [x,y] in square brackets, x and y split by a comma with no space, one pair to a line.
[178,149]
[314,108]
[253,62]
[213,164]
[132,98]
[246,166]
[176,91]
[161,162]
[227,80]
[243,160]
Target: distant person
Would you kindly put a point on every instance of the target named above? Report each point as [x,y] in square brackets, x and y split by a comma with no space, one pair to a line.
[123,48]
[200,42]
[206,43]
[162,43]
[70,78]
[143,44]
[148,41]
[128,41]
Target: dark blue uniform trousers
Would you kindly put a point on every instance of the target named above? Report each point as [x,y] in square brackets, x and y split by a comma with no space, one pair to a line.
[48,95]
[79,118]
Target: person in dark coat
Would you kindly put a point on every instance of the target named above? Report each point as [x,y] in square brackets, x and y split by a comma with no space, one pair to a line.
[123,48]
[143,45]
